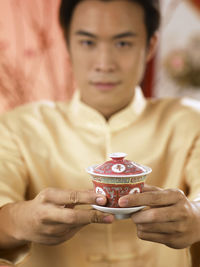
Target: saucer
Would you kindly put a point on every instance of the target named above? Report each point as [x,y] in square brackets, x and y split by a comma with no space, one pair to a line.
[120,213]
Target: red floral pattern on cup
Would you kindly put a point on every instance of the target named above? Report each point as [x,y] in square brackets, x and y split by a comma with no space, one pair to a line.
[114,191]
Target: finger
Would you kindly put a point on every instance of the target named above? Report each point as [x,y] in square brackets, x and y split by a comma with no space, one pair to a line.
[152,198]
[70,198]
[155,237]
[54,230]
[59,230]
[158,215]
[72,232]
[82,217]
[162,228]
[56,239]
[74,217]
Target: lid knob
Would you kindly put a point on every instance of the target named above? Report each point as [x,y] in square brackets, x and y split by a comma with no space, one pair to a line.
[117,156]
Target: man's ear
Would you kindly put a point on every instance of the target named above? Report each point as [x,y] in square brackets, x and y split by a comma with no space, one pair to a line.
[152,46]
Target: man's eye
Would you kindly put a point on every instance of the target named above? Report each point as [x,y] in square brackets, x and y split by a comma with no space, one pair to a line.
[124,44]
[87,43]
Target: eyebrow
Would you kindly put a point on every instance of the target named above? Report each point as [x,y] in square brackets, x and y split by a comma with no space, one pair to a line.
[118,36]
[124,35]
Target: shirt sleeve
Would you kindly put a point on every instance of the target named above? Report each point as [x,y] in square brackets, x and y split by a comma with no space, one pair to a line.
[13,184]
[192,170]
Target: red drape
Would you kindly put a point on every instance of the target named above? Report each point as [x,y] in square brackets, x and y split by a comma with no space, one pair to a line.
[196,3]
[148,82]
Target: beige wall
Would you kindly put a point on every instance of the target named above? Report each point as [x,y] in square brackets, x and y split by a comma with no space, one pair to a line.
[181,21]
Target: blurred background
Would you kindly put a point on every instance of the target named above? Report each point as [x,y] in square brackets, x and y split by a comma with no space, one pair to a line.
[34,63]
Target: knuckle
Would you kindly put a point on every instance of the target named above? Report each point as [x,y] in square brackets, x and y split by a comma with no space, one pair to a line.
[50,230]
[44,195]
[37,219]
[180,194]
[170,242]
[73,197]
[140,227]
[41,197]
[71,218]
[54,241]
[183,213]
[96,217]
[156,198]
[141,234]
[177,192]
[153,215]
[180,227]
[173,243]
[42,216]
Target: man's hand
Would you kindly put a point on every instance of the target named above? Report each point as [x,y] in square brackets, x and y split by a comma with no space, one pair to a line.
[170,218]
[51,218]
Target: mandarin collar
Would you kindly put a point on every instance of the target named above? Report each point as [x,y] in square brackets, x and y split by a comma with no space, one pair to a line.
[83,115]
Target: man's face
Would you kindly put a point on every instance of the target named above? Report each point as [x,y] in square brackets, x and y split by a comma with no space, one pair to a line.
[108,51]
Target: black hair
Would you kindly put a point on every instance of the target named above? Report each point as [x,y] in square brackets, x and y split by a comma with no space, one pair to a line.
[151,8]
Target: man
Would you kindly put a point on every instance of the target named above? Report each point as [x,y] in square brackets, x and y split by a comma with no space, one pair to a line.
[45,149]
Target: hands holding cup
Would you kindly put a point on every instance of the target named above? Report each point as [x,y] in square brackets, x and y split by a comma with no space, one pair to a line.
[169,217]
[118,177]
[51,218]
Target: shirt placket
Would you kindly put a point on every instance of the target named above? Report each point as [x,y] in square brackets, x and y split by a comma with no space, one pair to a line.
[109,239]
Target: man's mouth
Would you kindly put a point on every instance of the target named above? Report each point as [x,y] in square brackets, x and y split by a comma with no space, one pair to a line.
[105,86]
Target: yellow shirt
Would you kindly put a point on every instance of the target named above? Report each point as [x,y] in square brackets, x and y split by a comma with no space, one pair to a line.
[50,145]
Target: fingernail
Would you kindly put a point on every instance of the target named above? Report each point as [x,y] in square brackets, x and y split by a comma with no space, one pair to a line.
[100,201]
[108,219]
[123,202]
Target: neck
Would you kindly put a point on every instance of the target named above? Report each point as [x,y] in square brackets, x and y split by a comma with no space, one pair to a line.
[107,110]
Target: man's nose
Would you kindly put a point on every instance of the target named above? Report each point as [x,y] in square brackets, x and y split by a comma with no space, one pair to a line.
[105,61]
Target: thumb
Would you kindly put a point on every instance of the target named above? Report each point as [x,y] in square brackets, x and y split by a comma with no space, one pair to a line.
[148,188]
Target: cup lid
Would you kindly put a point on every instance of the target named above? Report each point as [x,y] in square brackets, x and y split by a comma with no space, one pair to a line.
[119,166]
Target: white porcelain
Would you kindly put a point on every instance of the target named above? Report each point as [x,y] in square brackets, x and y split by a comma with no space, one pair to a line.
[120,213]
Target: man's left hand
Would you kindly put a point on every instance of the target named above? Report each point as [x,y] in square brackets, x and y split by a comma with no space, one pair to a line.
[170,218]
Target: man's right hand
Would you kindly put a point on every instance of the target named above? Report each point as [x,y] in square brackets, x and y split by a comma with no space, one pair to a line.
[50,218]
